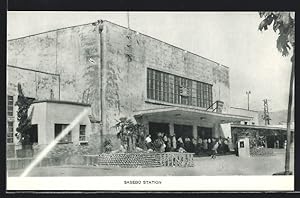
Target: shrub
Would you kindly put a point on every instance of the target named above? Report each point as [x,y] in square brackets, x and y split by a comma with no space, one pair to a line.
[260,151]
[107,146]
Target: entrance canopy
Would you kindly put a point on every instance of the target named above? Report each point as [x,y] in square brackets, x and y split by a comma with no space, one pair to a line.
[190,114]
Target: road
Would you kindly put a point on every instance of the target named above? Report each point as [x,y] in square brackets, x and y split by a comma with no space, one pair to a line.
[222,165]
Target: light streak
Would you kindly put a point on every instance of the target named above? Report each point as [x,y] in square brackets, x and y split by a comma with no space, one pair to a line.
[44,152]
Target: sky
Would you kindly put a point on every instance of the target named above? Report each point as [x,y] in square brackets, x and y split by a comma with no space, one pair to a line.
[229,38]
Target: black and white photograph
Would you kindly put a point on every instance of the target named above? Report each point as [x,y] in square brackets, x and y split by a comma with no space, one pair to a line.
[150,95]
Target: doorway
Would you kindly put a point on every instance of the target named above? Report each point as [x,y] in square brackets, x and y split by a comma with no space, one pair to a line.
[155,128]
[204,132]
[183,131]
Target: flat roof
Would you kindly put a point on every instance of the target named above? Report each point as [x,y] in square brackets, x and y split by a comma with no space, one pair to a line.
[219,64]
[260,127]
[62,102]
[191,113]
[244,109]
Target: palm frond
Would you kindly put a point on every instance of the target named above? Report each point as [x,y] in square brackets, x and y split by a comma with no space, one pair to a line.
[282,44]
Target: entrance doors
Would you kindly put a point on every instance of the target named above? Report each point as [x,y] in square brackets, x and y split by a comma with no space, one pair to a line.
[155,128]
[183,131]
[204,132]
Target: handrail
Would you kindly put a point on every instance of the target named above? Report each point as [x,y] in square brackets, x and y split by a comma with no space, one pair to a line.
[212,105]
[218,102]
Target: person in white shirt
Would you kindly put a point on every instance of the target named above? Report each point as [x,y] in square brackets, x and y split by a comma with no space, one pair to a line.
[148,142]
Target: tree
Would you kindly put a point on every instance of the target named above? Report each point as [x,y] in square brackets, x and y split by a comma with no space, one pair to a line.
[130,133]
[284,25]
[24,120]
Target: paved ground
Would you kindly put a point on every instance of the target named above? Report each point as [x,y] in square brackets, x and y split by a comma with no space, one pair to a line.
[222,165]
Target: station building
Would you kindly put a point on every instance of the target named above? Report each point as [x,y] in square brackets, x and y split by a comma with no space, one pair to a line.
[117,72]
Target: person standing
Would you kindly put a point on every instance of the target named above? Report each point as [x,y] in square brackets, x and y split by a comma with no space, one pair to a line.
[188,145]
[180,143]
[226,145]
[199,146]
[148,142]
[194,145]
[230,144]
[205,146]
[174,143]
[209,144]
[214,149]
[165,139]
[169,144]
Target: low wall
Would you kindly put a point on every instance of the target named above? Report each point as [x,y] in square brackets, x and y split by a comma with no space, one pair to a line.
[124,160]
[20,163]
[10,150]
[147,160]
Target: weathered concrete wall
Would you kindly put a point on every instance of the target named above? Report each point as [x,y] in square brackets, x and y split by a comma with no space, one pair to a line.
[127,57]
[34,84]
[73,53]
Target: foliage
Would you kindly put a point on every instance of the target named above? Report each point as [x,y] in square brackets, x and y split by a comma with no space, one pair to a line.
[107,146]
[284,24]
[130,133]
[24,120]
[261,151]
[67,150]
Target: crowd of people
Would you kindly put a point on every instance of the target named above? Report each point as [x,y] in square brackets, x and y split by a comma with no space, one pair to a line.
[209,146]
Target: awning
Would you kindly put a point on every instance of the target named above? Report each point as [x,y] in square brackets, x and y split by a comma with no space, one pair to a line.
[190,114]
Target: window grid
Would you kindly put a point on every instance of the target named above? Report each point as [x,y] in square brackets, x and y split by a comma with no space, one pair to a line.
[58,128]
[10,105]
[166,87]
[10,132]
[82,134]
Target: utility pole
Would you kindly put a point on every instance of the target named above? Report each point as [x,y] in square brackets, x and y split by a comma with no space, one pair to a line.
[288,145]
[266,116]
[248,93]
[128,20]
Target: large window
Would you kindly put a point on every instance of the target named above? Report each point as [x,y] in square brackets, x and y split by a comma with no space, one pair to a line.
[10,105]
[170,88]
[82,133]
[10,132]
[58,129]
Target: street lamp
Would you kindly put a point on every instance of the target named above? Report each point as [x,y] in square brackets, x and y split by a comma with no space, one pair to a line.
[248,93]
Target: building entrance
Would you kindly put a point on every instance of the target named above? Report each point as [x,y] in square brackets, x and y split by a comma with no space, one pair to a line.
[204,132]
[183,131]
[155,128]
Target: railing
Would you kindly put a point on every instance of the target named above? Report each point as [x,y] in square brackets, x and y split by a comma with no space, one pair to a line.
[218,106]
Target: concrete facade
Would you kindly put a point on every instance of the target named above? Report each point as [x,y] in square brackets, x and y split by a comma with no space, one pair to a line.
[246,112]
[105,65]
[65,60]
[49,112]
[128,54]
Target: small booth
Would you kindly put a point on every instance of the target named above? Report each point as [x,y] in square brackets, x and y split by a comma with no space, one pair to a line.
[243,147]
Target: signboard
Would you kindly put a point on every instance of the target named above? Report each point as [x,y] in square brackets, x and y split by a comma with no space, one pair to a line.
[184,91]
